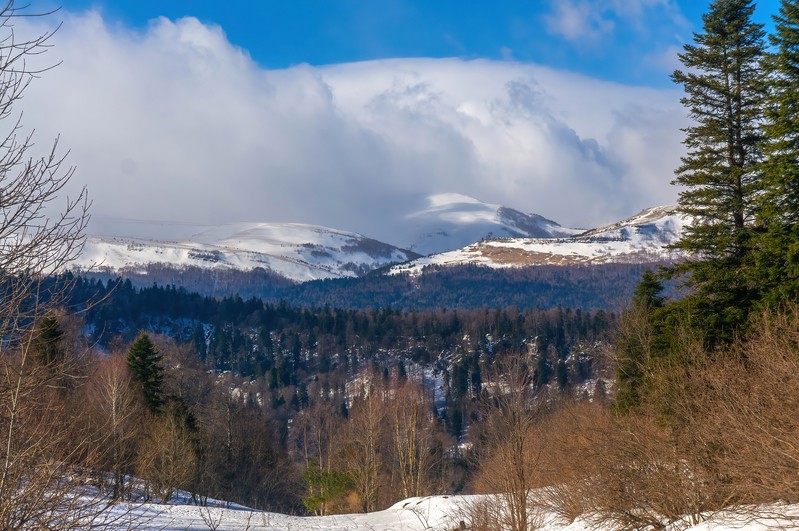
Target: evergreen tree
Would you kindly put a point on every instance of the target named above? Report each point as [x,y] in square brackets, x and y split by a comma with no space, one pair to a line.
[325,486]
[145,366]
[640,340]
[724,95]
[779,249]
[47,344]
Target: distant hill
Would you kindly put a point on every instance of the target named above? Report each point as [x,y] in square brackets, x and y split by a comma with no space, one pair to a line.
[294,251]
[643,238]
[315,266]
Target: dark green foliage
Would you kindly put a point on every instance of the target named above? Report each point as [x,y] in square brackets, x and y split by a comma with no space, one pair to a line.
[243,334]
[778,257]
[724,95]
[593,287]
[48,345]
[145,367]
[324,487]
[640,340]
[649,292]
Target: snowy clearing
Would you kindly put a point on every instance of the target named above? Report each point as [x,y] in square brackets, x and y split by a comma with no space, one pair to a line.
[414,514]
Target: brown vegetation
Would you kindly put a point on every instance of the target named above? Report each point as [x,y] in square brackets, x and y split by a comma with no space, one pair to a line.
[718,431]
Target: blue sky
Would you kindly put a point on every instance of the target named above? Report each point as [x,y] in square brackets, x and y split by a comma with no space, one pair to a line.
[353,114]
[631,41]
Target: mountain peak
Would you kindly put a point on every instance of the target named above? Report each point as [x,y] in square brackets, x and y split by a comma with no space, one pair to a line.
[642,238]
[448,221]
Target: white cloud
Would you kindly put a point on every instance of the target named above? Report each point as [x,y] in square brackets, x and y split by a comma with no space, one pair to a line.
[176,123]
[578,20]
[586,21]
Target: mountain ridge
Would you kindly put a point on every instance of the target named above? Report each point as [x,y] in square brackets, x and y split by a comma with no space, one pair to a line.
[302,253]
[642,238]
[450,221]
[296,251]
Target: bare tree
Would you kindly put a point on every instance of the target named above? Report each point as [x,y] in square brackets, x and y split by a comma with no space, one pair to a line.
[39,445]
[411,427]
[512,411]
[116,407]
[362,446]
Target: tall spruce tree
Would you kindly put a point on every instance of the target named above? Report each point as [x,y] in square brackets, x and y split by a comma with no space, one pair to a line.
[639,341]
[145,366]
[779,247]
[724,95]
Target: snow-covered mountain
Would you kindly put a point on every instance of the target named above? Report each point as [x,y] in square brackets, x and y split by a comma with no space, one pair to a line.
[445,222]
[641,238]
[298,252]
[488,234]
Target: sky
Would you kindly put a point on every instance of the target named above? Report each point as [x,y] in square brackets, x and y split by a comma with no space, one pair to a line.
[350,113]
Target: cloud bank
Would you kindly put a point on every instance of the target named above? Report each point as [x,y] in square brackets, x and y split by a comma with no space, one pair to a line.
[175,123]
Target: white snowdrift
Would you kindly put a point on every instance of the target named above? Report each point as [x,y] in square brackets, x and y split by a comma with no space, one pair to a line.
[428,513]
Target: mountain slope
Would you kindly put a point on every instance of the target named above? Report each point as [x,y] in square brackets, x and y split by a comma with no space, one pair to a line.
[306,252]
[450,221]
[639,239]
[295,251]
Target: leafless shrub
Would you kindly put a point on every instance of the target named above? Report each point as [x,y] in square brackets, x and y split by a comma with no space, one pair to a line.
[740,409]
[513,412]
[212,521]
[718,431]
[486,513]
[167,457]
[628,473]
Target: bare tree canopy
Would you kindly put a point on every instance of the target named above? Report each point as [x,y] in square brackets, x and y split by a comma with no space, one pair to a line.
[41,443]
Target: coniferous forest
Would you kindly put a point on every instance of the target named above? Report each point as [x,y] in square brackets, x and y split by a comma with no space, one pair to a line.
[595,287]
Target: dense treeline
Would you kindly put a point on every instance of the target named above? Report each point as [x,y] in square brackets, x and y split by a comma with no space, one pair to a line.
[590,287]
[289,344]
[300,409]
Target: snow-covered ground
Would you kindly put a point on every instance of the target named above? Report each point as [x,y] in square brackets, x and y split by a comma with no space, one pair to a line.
[639,239]
[467,230]
[450,221]
[298,252]
[415,514]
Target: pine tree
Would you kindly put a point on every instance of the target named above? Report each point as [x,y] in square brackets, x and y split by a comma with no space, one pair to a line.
[145,366]
[779,247]
[724,95]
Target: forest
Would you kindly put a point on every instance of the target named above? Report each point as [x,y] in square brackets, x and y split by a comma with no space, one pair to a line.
[594,287]
[253,402]
[665,412]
